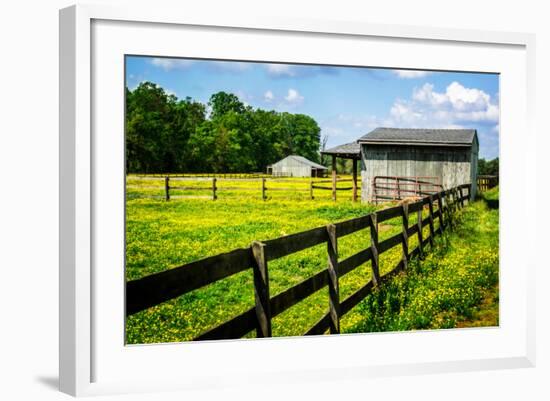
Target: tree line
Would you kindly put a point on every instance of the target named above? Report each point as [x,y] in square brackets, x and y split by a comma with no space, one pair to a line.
[487,167]
[165,134]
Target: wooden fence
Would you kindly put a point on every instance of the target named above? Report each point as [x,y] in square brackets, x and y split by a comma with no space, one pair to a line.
[334,187]
[486,182]
[152,290]
[202,175]
[211,187]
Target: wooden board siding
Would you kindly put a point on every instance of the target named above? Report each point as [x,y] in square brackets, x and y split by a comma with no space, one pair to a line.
[454,166]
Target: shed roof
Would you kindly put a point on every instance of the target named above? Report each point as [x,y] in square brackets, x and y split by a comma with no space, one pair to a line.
[420,136]
[303,160]
[347,150]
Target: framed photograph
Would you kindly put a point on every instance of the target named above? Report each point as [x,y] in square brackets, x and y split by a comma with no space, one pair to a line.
[267,199]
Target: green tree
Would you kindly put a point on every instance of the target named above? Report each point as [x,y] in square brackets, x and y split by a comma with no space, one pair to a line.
[490,167]
[222,103]
[186,116]
[298,134]
[164,134]
[158,127]
[147,125]
[306,136]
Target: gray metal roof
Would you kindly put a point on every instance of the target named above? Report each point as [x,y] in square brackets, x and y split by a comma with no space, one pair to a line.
[352,149]
[305,161]
[420,136]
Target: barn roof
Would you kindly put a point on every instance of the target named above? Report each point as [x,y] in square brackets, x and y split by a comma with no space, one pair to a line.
[350,150]
[305,161]
[420,136]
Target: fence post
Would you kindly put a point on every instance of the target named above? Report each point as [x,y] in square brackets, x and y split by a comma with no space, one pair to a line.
[420,233]
[333,288]
[374,248]
[214,188]
[398,188]
[405,235]
[354,180]
[167,187]
[431,207]
[263,189]
[440,213]
[334,178]
[311,188]
[461,197]
[448,209]
[445,210]
[261,290]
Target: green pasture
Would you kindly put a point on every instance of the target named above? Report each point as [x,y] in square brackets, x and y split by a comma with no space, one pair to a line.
[153,187]
[161,235]
[456,285]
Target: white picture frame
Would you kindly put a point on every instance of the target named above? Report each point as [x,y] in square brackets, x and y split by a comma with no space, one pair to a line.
[94,360]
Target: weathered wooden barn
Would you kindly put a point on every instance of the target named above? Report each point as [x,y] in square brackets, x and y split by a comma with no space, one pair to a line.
[296,166]
[397,163]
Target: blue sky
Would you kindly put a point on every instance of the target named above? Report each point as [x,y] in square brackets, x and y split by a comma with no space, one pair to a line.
[346,102]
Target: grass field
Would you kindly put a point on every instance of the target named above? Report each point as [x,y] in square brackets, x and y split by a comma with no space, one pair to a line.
[456,285]
[231,188]
[162,235]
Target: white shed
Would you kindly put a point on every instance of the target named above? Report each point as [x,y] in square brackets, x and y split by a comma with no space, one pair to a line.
[296,166]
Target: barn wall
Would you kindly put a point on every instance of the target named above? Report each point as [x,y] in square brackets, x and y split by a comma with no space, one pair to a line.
[453,166]
[291,168]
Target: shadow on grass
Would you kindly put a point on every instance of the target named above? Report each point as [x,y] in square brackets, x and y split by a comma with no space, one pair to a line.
[491,203]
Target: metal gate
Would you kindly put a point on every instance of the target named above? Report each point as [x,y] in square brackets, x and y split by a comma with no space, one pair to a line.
[392,188]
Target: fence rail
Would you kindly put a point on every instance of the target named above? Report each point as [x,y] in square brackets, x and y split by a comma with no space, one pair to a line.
[391,188]
[172,183]
[153,176]
[152,290]
[486,182]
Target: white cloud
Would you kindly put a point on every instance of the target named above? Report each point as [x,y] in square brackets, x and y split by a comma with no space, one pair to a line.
[347,127]
[365,122]
[294,97]
[465,99]
[281,70]
[426,95]
[170,92]
[269,96]
[458,104]
[333,131]
[454,107]
[230,66]
[170,63]
[135,85]
[411,74]
[244,97]
[404,112]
